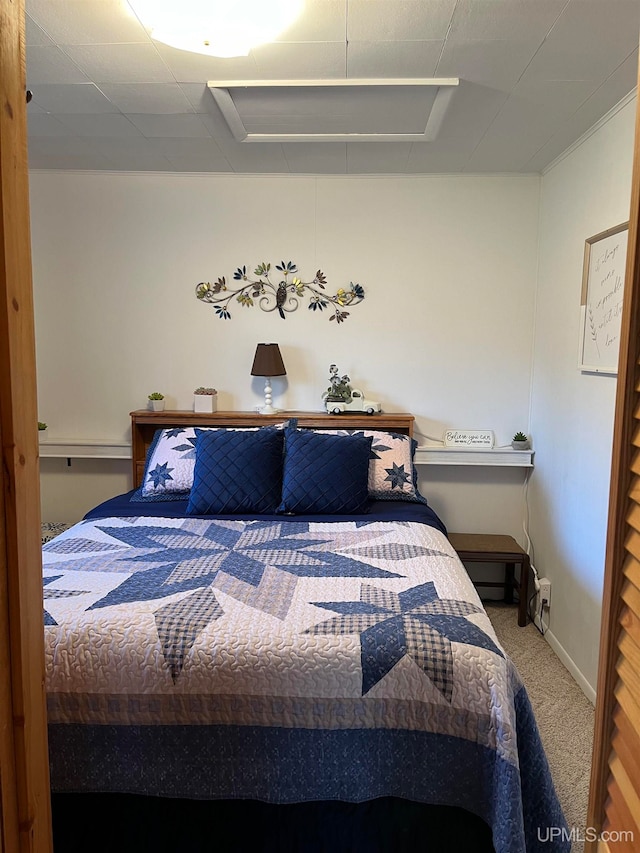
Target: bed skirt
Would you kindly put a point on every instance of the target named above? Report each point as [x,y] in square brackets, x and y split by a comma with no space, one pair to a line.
[103,823]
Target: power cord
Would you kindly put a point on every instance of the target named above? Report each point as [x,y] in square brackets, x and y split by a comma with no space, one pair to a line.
[536,616]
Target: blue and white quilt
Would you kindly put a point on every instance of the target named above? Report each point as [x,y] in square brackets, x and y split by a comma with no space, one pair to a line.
[285,661]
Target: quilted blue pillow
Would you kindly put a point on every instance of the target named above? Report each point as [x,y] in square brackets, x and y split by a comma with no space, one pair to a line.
[325,473]
[237,472]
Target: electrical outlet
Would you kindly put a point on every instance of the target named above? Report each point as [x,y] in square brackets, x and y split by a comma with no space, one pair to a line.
[545,592]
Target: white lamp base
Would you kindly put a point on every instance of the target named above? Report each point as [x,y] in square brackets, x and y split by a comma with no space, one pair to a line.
[268,409]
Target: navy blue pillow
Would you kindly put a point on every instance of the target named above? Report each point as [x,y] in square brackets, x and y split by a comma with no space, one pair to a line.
[325,473]
[237,472]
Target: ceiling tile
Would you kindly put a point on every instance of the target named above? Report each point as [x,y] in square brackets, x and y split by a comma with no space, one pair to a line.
[137,154]
[160,98]
[50,63]
[439,156]
[256,158]
[34,35]
[63,160]
[485,20]
[493,63]
[587,21]
[558,60]
[43,124]
[118,63]
[326,60]
[398,20]
[189,67]
[322,20]
[377,157]
[612,91]
[169,125]
[72,98]
[472,110]
[319,158]
[87,21]
[393,59]
[105,125]
[173,148]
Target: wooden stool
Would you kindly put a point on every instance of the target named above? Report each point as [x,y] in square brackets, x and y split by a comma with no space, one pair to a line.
[496,548]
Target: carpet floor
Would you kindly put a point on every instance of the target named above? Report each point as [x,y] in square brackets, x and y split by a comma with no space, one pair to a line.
[564,715]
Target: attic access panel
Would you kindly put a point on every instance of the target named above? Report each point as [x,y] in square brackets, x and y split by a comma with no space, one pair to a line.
[393,110]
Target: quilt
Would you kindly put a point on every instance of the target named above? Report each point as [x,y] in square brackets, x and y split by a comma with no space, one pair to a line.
[285,661]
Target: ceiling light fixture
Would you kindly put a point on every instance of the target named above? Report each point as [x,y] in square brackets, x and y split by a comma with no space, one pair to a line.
[216,27]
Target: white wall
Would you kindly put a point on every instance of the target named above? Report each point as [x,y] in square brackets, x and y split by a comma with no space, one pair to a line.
[445,331]
[583,194]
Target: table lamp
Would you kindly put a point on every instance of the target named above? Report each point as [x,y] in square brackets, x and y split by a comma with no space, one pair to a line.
[268,362]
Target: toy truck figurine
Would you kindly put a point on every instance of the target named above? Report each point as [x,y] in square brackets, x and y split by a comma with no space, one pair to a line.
[357,403]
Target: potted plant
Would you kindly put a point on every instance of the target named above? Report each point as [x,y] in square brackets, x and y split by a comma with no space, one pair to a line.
[157,401]
[520,441]
[42,430]
[205,400]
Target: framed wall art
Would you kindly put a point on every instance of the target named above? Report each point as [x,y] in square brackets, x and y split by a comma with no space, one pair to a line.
[605,256]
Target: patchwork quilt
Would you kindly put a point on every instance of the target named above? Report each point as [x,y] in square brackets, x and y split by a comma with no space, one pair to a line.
[285,661]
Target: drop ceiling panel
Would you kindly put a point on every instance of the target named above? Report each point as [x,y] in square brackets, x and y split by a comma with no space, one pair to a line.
[169,125]
[120,63]
[323,20]
[506,20]
[76,98]
[159,98]
[51,63]
[283,61]
[398,20]
[106,125]
[321,158]
[87,21]
[394,59]
[499,64]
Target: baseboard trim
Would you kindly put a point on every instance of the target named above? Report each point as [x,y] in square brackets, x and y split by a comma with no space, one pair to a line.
[570,664]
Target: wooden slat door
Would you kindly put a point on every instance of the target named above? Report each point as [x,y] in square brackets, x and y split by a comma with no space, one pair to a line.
[25,812]
[614,798]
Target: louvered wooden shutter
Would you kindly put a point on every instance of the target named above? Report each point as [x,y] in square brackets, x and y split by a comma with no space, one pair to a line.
[614,799]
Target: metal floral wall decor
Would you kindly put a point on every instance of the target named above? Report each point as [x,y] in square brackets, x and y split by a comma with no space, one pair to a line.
[283,296]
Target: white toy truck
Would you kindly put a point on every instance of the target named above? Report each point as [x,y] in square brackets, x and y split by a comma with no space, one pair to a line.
[357,403]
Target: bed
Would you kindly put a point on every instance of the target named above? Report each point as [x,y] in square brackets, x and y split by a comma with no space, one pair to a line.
[272,630]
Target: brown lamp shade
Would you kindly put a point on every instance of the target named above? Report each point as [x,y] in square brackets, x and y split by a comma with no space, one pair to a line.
[268,361]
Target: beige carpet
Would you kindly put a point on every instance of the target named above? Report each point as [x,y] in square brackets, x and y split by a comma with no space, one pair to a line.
[563,713]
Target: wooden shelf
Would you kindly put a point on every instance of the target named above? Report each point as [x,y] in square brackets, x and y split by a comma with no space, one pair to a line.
[495,456]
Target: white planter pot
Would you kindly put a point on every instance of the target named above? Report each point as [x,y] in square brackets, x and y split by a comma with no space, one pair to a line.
[42,434]
[157,405]
[521,445]
[207,403]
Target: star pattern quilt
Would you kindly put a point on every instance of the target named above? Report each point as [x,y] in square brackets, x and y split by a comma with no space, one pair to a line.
[285,661]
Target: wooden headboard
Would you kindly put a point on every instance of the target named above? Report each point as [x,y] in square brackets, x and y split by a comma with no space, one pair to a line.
[144,423]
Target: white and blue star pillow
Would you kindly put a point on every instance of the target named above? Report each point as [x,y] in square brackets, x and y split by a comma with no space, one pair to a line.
[171,460]
[392,473]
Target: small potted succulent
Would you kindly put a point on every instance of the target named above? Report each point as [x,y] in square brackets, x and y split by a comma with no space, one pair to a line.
[156,401]
[205,400]
[42,430]
[520,441]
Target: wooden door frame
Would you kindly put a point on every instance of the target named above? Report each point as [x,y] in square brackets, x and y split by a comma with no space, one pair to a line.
[619,503]
[25,799]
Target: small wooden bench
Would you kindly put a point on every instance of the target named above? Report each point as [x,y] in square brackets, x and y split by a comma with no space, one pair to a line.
[497,548]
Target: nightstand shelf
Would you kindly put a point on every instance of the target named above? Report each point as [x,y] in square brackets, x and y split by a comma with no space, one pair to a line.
[497,548]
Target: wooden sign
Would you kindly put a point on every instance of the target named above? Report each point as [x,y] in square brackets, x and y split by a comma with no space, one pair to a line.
[471,438]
